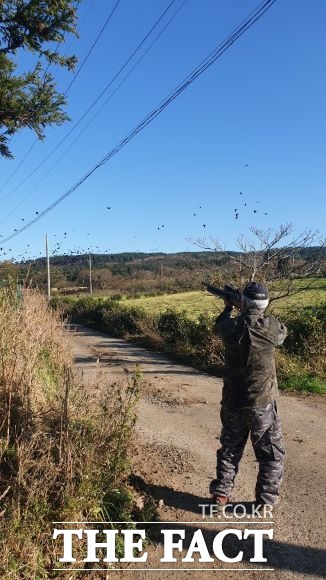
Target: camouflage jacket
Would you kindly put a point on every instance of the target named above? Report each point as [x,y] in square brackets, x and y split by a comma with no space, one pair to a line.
[249,340]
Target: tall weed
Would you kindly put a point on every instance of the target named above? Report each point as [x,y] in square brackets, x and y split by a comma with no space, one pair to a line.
[63,443]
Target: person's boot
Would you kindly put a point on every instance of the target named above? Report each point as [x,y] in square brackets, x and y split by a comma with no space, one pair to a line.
[220,501]
[217,498]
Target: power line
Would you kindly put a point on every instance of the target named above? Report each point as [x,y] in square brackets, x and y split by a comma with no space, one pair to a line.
[254,16]
[29,150]
[68,88]
[92,47]
[84,17]
[45,71]
[97,113]
[92,105]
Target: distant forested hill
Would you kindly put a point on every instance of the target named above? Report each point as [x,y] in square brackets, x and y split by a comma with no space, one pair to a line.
[131,272]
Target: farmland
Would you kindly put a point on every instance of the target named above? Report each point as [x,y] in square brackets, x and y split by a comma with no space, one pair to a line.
[197,302]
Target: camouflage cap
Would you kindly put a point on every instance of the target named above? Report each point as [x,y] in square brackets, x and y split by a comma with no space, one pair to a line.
[256,291]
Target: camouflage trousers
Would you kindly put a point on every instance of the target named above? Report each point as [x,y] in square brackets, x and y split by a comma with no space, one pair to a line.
[266,437]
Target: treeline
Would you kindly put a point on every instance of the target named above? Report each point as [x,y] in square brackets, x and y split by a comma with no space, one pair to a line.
[133,273]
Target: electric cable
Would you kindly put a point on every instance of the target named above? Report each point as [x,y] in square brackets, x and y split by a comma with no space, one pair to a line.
[69,86]
[92,47]
[92,105]
[202,67]
[96,114]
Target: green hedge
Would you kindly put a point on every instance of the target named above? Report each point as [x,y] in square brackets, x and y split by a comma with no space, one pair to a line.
[301,361]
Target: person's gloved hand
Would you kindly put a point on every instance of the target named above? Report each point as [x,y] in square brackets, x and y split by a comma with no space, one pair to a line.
[227,303]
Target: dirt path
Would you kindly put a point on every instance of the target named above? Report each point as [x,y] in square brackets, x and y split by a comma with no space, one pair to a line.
[174,458]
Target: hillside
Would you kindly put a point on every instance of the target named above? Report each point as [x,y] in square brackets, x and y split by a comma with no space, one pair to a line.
[133,273]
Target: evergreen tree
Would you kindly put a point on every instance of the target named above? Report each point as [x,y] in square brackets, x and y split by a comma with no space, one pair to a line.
[30,99]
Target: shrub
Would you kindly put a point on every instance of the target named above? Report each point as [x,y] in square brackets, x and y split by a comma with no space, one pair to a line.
[306,328]
[301,360]
[116,296]
[175,328]
[63,445]
[120,320]
[294,374]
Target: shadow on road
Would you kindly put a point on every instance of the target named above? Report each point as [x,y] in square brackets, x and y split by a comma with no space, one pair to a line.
[280,555]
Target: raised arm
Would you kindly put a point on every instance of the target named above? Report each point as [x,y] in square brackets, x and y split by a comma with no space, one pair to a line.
[222,322]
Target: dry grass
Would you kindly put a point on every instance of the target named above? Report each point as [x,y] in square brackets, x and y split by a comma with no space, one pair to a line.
[63,451]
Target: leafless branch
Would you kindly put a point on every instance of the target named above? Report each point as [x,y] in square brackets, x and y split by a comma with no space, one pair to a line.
[273,255]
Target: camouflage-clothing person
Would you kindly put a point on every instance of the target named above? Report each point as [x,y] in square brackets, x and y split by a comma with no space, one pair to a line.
[248,397]
[266,438]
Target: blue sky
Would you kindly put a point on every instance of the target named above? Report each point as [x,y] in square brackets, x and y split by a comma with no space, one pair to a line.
[254,122]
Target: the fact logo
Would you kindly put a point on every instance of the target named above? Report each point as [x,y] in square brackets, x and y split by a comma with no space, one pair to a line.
[175,549]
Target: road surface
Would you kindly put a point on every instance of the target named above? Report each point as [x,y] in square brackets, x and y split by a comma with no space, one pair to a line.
[174,459]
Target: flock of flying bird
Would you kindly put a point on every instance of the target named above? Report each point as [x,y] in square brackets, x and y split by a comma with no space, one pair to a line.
[245,205]
[24,256]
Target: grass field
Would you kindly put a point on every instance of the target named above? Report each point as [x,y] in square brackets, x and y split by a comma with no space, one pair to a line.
[182,333]
[197,302]
[194,303]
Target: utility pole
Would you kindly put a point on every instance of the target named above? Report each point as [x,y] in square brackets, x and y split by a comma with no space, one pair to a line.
[90,275]
[48,267]
[162,272]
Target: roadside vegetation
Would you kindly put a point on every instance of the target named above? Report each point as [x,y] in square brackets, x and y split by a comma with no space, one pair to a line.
[64,446]
[181,326]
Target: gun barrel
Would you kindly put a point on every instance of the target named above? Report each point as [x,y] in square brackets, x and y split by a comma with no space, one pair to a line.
[233,295]
[214,290]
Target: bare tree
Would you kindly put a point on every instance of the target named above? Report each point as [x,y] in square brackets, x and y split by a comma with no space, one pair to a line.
[287,262]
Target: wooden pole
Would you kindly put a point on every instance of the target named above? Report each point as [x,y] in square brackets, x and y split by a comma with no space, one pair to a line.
[48,267]
[90,275]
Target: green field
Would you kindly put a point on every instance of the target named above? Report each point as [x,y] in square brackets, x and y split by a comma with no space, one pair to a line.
[197,302]
[301,364]
[194,303]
